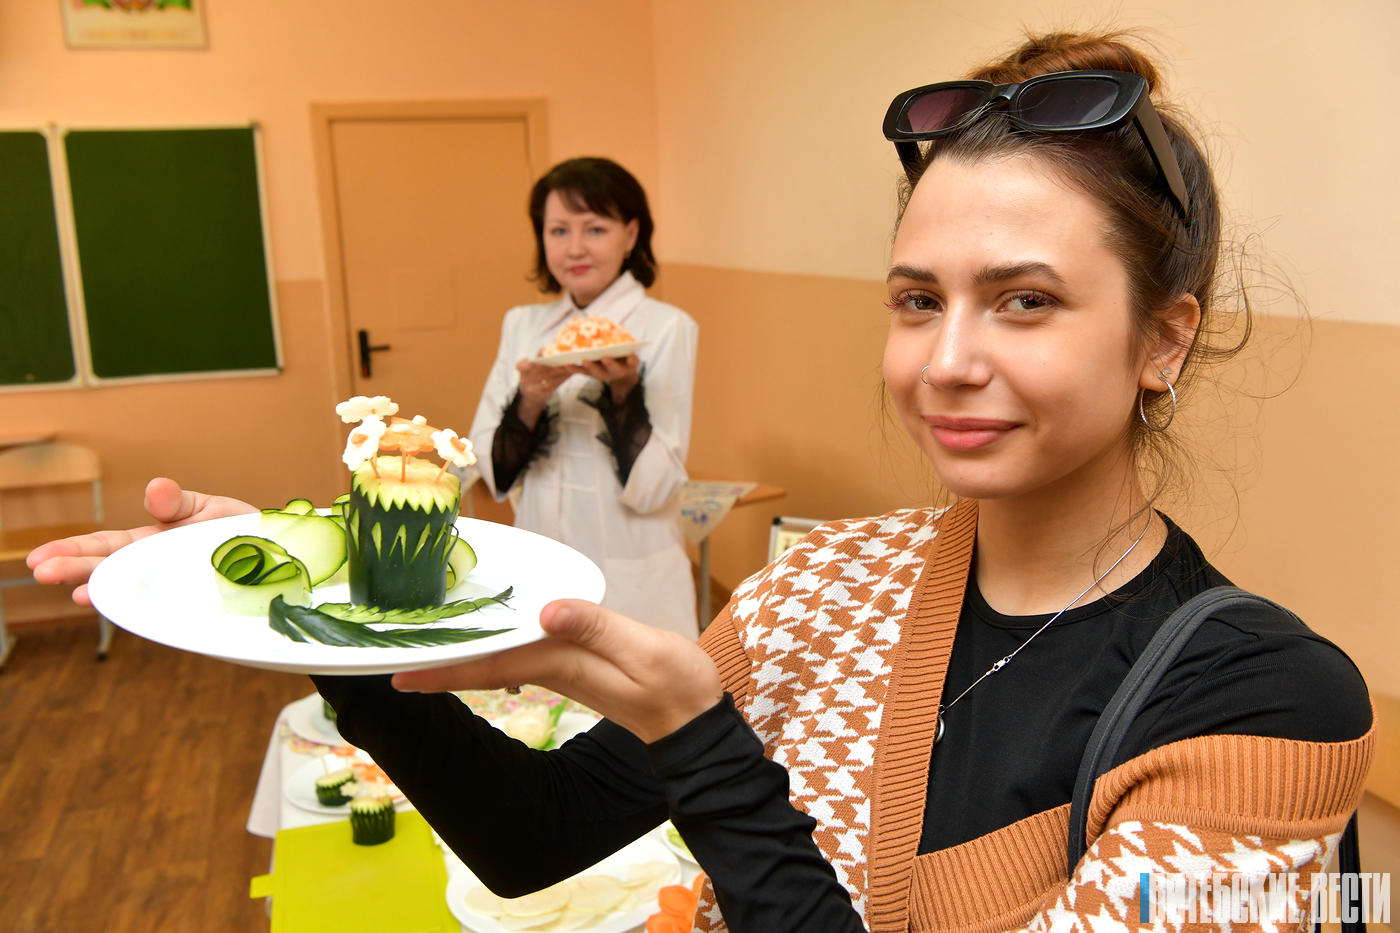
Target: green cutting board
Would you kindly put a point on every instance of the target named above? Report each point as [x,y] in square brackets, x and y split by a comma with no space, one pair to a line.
[321,880]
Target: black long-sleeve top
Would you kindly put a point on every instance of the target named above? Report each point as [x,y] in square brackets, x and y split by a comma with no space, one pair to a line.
[522,819]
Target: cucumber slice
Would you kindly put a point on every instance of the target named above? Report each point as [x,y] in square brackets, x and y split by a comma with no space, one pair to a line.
[300,507]
[460,561]
[251,571]
[316,540]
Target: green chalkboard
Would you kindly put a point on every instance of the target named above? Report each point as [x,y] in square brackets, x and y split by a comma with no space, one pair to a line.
[36,345]
[171,256]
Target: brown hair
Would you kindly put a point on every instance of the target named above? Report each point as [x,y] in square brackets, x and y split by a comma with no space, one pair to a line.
[1165,256]
[603,187]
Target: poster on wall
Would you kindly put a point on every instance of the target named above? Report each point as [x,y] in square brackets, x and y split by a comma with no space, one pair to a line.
[134,24]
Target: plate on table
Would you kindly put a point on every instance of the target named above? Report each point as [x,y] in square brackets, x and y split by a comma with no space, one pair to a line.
[592,353]
[307,718]
[162,588]
[645,855]
[299,787]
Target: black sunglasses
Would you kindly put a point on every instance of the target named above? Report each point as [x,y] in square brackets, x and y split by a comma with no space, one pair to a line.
[1063,102]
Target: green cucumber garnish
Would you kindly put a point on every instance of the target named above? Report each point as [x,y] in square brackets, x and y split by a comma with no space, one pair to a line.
[251,571]
[316,540]
[400,530]
[300,623]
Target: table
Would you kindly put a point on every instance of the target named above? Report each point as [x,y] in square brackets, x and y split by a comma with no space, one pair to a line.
[704,504]
[300,735]
[19,440]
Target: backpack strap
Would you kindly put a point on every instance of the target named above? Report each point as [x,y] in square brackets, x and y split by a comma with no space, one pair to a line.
[1132,694]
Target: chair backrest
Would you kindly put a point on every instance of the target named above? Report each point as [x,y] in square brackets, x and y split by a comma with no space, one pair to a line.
[787,530]
[52,463]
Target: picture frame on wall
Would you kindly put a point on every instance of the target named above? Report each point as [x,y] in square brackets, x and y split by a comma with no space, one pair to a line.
[134,24]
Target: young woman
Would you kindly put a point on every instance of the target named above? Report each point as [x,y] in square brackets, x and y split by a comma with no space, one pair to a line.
[882,730]
[593,454]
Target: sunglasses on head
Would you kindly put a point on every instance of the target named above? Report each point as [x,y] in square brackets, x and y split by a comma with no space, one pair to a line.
[1063,102]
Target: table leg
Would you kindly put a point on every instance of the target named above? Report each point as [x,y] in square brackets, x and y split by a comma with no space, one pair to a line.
[7,641]
[704,583]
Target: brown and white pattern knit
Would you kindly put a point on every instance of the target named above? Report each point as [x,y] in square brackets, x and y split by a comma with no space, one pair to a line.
[836,655]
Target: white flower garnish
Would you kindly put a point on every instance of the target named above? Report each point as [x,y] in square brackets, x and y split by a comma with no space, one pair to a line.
[453,449]
[362,407]
[363,441]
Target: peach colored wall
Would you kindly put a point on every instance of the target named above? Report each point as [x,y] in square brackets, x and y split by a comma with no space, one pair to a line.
[1294,495]
[772,158]
[267,61]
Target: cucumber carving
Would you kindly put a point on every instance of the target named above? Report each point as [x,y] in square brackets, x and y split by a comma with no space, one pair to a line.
[399,534]
[393,536]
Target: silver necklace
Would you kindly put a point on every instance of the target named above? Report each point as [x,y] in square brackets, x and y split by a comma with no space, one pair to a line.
[938,736]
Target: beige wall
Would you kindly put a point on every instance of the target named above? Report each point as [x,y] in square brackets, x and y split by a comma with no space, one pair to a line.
[756,128]
[772,157]
[268,61]
[778,190]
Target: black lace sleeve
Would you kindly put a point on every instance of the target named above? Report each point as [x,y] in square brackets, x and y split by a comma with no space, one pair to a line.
[514,445]
[626,426]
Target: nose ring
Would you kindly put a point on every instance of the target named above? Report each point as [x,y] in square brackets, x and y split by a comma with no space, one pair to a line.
[922,373]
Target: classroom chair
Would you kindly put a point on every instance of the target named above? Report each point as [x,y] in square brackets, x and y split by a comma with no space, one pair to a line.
[37,467]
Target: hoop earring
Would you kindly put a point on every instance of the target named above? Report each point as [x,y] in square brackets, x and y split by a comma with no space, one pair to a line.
[921,376]
[1170,417]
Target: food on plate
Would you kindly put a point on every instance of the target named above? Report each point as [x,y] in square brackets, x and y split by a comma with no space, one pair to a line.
[399,528]
[393,537]
[533,724]
[576,902]
[678,904]
[588,333]
[327,710]
[673,836]
[331,788]
[371,819]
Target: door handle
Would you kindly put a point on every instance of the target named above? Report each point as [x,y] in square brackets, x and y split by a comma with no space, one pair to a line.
[366,370]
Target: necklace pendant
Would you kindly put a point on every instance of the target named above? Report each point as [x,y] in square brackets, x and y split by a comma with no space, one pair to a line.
[938,734]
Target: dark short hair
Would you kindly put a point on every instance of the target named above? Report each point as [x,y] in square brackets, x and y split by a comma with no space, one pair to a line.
[603,187]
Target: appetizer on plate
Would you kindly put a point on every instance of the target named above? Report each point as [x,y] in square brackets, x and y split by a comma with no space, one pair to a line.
[588,333]
[393,536]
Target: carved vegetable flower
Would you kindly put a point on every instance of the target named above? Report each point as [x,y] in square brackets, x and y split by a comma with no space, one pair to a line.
[363,442]
[361,407]
[411,437]
[453,449]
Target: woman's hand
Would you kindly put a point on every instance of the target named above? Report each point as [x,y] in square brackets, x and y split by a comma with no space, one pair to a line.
[619,374]
[72,560]
[647,680]
[538,383]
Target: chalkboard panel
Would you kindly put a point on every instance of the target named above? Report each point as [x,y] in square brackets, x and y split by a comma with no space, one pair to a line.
[35,343]
[171,256]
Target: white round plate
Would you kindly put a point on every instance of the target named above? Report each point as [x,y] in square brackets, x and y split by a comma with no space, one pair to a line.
[162,588]
[641,851]
[299,787]
[308,719]
[593,353]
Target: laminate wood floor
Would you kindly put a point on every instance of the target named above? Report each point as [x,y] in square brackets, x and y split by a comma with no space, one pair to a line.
[125,785]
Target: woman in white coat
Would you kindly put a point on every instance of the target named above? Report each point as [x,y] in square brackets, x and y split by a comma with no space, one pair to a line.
[593,454]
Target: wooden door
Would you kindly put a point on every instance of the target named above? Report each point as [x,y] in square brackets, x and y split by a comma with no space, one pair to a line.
[428,243]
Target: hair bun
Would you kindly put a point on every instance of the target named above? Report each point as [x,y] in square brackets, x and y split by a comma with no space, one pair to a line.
[1069,51]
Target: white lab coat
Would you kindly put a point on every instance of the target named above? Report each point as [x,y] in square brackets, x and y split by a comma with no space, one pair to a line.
[570,492]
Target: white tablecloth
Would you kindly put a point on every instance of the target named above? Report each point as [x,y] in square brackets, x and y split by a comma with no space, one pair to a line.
[301,735]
